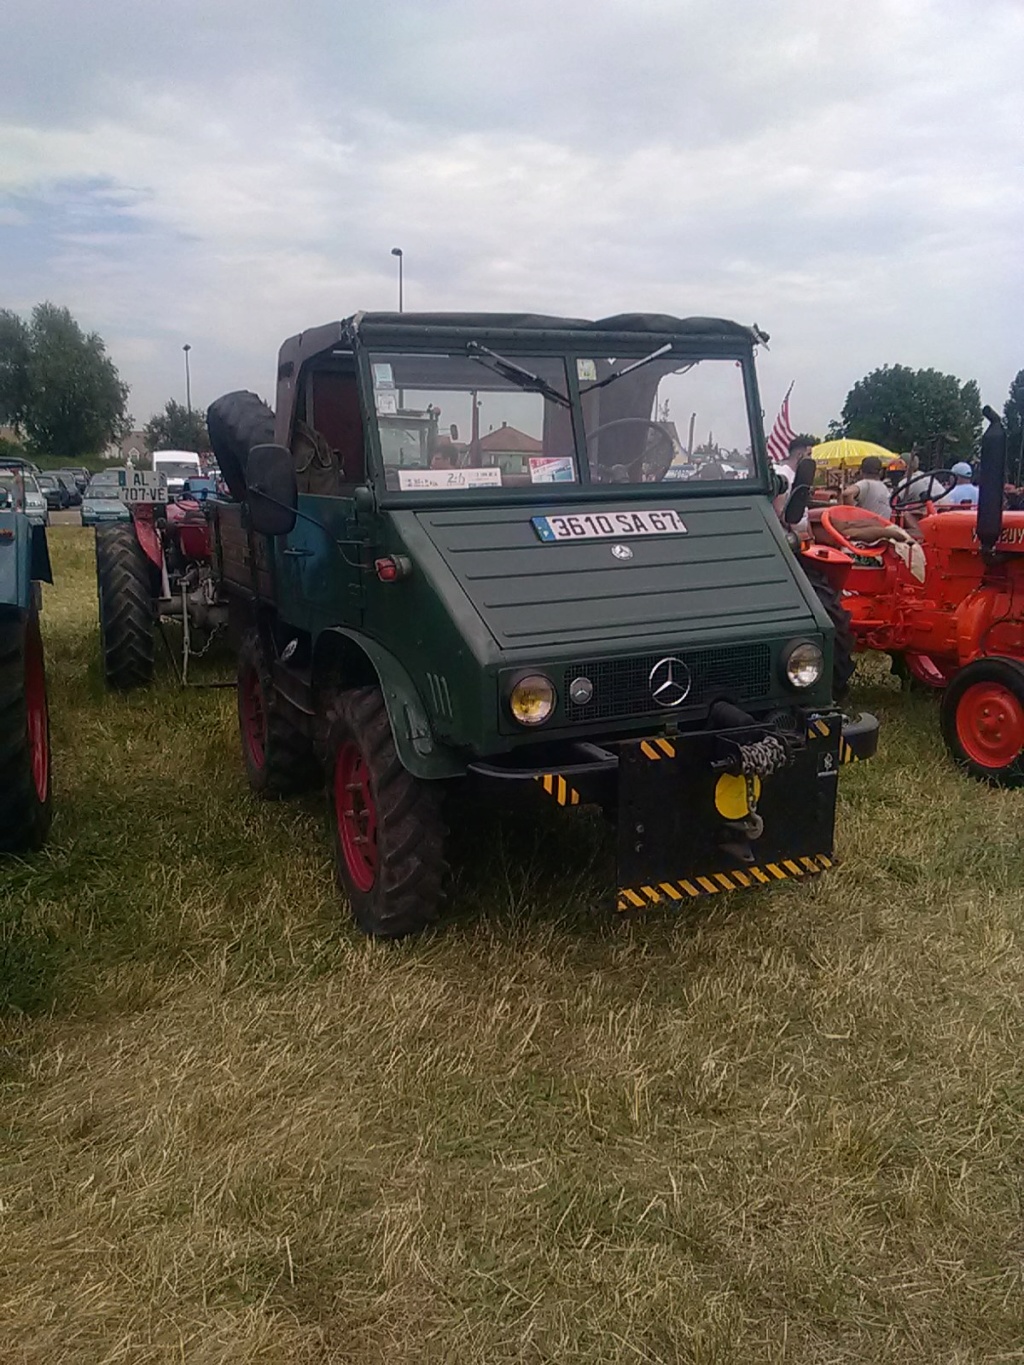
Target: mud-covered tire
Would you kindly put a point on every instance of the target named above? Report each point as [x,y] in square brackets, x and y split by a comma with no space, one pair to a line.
[278,757]
[25,777]
[236,423]
[844,642]
[124,585]
[982,720]
[394,878]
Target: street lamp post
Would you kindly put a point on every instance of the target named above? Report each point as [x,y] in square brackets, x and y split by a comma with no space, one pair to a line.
[188,380]
[397,251]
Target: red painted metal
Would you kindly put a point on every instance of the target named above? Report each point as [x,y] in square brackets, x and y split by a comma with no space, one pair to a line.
[356,813]
[36,710]
[990,725]
[254,717]
[149,538]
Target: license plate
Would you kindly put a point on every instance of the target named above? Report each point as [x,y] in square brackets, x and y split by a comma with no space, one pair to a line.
[141,485]
[602,525]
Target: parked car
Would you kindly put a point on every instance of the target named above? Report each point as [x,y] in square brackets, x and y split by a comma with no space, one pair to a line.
[55,491]
[35,503]
[20,492]
[69,478]
[101,502]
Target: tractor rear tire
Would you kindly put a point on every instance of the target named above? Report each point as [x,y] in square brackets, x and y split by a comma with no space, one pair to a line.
[982,720]
[124,582]
[25,812]
[844,642]
[389,837]
[278,757]
[236,423]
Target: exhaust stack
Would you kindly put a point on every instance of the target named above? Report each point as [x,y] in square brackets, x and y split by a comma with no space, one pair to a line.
[991,480]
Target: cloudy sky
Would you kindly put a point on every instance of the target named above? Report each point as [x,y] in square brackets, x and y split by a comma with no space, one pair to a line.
[228,172]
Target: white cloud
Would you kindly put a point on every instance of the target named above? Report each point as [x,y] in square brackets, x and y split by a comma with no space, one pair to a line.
[846,176]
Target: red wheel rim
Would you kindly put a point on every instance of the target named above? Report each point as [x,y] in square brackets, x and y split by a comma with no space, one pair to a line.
[36,712]
[254,717]
[356,813]
[990,725]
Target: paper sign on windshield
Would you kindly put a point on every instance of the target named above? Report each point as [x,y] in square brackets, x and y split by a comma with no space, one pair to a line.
[557,469]
[417,480]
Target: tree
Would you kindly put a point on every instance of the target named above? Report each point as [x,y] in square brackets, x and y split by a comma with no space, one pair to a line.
[59,386]
[177,429]
[915,410]
[1013,420]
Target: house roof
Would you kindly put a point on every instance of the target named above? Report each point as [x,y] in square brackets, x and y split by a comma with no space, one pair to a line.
[511,440]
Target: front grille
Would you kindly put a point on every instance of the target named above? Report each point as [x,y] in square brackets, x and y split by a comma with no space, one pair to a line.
[621,687]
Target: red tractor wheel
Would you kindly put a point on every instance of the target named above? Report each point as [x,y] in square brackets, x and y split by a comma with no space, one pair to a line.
[983,720]
[388,833]
[278,757]
[24,737]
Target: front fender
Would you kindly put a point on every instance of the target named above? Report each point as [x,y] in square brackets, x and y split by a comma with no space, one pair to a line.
[418,749]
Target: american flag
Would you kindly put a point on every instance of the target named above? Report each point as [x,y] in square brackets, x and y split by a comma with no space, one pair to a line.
[782,433]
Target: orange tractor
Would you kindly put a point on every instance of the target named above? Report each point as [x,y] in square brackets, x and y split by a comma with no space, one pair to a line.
[948,605]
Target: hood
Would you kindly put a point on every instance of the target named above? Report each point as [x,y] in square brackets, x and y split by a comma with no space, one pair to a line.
[727,577]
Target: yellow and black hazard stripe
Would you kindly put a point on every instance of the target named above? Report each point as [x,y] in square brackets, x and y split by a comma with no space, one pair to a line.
[819,729]
[846,754]
[665,893]
[555,785]
[657,748]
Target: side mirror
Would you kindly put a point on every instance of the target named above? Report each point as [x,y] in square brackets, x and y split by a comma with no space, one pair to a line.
[799,499]
[270,491]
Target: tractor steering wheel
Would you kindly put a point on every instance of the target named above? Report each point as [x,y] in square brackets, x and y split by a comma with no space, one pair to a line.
[634,470]
[833,532]
[899,503]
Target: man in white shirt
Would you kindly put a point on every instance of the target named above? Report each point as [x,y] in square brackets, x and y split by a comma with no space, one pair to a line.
[800,448]
[869,492]
[964,492]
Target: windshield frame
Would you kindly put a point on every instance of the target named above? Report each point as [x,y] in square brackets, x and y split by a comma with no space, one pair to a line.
[568,347]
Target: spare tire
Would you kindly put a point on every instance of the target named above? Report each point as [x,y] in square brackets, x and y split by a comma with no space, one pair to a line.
[236,423]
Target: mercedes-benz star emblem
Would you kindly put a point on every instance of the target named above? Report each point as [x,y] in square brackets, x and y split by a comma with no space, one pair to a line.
[622,552]
[669,681]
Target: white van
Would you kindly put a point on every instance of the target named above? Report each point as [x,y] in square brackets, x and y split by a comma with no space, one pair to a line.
[176,466]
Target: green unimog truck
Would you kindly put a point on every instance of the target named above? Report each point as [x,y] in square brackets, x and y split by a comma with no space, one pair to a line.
[477,547]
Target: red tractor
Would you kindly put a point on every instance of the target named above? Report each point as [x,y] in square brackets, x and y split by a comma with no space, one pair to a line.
[154,567]
[948,606]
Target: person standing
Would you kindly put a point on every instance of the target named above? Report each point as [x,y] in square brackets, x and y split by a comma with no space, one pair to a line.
[799,449]
[870,493]
[964,492]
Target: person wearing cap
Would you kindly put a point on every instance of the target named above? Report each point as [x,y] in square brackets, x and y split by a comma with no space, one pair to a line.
[964,492]
[869,492]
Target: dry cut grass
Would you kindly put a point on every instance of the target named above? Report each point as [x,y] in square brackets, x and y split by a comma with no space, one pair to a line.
[776,1127]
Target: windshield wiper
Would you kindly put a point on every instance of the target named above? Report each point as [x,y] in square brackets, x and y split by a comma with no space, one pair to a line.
[508,369]
[617,374]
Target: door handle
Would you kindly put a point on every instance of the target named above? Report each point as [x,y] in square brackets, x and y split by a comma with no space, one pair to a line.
[297,553]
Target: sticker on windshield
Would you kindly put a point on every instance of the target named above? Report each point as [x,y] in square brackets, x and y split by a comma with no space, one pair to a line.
[383,378]
[387,403]
[597,525]
[415,480]
[557,469]
[586,370]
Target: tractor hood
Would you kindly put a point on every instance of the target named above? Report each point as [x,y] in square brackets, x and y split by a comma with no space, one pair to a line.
[728,576]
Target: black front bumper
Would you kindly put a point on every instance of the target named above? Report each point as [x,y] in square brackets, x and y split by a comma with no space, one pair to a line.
[678,806]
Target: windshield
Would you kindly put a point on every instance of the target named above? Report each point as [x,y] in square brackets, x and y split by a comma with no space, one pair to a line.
[47,481]
[467,421]
[107,481]
[665,420]
[171,469]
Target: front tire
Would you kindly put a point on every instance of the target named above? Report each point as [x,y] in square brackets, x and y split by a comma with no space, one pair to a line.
[389,837]
[25,807]
[982,720]
[278,757]
[124,586]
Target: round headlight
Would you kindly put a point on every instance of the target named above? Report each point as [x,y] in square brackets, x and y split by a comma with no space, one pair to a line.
[804,665]
[532,700]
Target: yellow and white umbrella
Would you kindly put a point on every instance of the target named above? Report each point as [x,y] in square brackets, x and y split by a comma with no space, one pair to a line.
[847,454]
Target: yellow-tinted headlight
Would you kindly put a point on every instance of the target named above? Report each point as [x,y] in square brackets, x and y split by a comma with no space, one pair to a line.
[804,665]
[532,700]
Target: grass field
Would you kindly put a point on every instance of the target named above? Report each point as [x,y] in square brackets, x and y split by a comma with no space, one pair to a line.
[783,1126]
